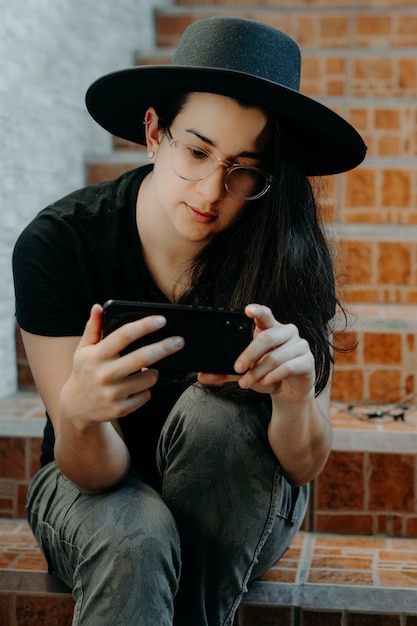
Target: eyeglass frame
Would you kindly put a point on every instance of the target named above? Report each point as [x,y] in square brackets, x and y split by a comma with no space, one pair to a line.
[229,165]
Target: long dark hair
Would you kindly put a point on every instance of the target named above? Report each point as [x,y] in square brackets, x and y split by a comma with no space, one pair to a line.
[276,254]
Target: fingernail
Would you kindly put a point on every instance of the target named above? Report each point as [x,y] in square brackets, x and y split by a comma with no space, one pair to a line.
[178,342]
[158,320]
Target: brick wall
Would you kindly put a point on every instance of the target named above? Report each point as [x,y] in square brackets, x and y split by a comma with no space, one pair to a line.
[50,52]
[362,492]
[381,368]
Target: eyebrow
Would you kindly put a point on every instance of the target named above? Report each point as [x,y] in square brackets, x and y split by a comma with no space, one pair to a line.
[212,144]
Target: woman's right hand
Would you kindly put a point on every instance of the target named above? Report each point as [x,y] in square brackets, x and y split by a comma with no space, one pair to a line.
[86,386]
[103,385]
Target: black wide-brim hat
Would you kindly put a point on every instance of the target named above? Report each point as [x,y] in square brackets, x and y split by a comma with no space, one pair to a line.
[243,59]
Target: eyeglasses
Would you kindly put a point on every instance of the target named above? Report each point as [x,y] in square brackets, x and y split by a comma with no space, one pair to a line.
[241,181]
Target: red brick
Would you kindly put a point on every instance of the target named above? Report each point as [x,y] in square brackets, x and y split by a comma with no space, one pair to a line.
[12,457]
[340,486]
[394,262]
[382,348]
[350,523]
[391,482]
[347,385]
[382,380]
[360,188]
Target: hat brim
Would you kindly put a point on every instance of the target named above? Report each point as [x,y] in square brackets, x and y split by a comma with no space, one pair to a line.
[323,142]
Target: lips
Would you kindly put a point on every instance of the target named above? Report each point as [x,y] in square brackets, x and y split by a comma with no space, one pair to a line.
[201,216]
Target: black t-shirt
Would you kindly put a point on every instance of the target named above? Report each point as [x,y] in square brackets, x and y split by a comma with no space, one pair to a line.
[81,250]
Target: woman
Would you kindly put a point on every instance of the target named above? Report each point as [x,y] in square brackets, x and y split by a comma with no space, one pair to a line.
[161,496]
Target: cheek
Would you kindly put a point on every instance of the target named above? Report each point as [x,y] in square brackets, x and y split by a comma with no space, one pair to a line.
[236,210]
[165,180]
[162,166]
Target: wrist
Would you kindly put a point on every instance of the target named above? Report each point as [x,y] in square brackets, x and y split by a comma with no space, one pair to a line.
[72,416]
[292,408]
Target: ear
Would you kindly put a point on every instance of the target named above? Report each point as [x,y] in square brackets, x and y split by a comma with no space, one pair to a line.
[152,132]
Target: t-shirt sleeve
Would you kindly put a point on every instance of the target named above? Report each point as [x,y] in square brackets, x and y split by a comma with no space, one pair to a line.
[48,278]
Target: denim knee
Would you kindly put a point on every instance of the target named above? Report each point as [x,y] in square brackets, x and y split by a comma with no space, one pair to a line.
[132,524]
[119,531]
[152,540]
[214,424]
[130,556]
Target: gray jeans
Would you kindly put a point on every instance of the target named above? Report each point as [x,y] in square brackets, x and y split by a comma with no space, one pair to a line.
[134,556]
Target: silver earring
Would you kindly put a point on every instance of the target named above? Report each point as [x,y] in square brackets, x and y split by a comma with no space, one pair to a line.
[151,154]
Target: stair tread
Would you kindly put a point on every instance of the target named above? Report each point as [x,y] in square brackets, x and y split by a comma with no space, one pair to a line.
[22,565]
[358,569]
[22,415]
[343,571]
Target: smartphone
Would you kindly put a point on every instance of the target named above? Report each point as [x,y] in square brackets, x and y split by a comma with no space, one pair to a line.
[214,338]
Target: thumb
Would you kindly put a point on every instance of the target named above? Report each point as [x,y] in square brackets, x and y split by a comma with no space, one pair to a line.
[92,331]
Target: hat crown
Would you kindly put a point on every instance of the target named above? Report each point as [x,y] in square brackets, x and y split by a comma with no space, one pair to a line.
[242,59]
[241,45]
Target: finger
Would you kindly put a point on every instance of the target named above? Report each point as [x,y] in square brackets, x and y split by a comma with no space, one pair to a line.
[286,353]
[146,356]
[92,331]
[132,403]
[124,336]
[266,341]
[262,315]
[139,382]
[275,372]
[132,393]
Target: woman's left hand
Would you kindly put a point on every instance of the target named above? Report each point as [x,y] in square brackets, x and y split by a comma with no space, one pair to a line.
[277,361]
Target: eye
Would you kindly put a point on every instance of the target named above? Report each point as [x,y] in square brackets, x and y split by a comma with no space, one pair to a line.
[196,153]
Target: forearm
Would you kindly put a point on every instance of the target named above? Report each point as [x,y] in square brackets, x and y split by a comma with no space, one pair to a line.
[95,457]
[300,436]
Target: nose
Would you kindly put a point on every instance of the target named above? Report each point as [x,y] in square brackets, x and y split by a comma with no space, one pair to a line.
[212,187]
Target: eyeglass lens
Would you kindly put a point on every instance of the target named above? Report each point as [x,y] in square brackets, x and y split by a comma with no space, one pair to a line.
[192,163]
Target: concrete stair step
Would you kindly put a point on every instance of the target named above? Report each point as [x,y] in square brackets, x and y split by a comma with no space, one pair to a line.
[320,573]
[356,553]
[28,594]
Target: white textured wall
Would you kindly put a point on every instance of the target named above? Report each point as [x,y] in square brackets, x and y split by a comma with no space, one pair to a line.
[50,51]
